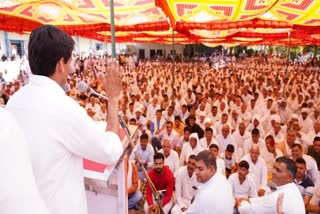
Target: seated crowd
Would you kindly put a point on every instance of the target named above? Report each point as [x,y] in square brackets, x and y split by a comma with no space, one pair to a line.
[247,115]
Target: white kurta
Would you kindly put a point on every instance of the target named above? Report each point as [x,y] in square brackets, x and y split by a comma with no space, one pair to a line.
[184,187]
[59,134]
[214,196]
[258,172]
[247,189]
[187,151]
[172,161]
[292,202]
[19,193]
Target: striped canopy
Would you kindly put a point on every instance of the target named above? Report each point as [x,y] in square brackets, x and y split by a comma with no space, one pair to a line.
[212,22]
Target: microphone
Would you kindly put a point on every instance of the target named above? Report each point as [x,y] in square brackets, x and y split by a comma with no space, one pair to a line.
[83,87]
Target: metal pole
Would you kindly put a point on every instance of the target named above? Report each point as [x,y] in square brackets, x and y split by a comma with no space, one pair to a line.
[286,72]
[113,41]
[173,68]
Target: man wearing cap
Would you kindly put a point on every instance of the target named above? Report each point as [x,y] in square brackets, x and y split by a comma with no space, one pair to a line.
[141,120]
[201,118]
[191,148]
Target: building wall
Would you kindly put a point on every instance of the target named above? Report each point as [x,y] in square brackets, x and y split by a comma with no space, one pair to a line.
[89,45]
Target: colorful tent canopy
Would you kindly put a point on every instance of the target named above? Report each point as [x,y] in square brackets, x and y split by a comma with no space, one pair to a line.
[245,22]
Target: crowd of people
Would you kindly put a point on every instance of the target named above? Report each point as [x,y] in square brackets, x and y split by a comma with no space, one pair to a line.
[258,116]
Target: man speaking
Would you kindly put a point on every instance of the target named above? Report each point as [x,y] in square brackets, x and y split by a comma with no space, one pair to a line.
[59,132]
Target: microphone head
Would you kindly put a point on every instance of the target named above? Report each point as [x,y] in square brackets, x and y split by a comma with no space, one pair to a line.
[82,86]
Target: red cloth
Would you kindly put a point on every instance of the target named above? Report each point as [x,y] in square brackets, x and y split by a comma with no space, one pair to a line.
[99,167]
[161,182]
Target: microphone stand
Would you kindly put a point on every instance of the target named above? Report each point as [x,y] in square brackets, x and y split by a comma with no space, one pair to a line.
[127,149]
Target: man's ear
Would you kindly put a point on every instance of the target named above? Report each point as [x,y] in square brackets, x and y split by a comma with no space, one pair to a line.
[59,66]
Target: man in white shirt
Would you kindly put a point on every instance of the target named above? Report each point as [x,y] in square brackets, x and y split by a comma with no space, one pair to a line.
[191,148]
[270,154]
[276,132]
[152,108]
[255,140]
[19,193]
[93,104]
[258,169]
[214,193]
[225,138]
[186,185]
[220,162]
[157,122]
[171,158]
[240,136]
[305,121]
[166,132]
[102,113]
[243,185]
[58,131]
[208,139]
[283,175]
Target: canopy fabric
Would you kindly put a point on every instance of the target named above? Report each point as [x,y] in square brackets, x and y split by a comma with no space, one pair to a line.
[244,22]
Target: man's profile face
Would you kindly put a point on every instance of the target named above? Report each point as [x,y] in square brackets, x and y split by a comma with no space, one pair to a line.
[203,172]
[191,165]
[301,169]
[214,151]
[280,174]
[158,165]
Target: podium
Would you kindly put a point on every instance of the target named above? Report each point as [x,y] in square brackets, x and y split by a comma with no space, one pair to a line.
[106,186]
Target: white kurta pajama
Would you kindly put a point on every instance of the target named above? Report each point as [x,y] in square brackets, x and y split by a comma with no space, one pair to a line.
[59,134]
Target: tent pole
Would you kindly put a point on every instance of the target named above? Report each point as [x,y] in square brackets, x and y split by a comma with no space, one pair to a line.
[286,72]
[173,68]
[113,42]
